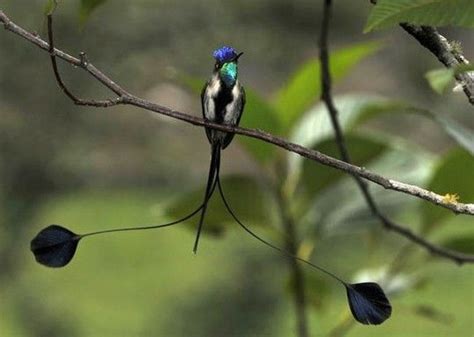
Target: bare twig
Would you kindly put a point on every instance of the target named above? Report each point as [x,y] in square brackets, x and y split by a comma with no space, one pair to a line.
[444,51]
[129,99]
[83,63]
[341,143]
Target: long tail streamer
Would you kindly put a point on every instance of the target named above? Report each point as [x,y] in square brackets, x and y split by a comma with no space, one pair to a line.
[367,301]
[213,177]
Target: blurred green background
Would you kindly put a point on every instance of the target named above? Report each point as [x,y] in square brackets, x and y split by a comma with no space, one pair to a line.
[91,169]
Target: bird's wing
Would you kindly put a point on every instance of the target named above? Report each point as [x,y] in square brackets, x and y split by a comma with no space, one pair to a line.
[241,104]
[206,105]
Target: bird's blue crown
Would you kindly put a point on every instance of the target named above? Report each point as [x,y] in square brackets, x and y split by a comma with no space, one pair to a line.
[224,54]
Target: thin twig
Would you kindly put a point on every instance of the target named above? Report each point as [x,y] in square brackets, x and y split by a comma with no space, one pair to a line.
[83,62]
[319,157]
[341,143]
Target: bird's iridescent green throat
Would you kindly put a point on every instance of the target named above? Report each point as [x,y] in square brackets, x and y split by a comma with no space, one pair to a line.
[228,73]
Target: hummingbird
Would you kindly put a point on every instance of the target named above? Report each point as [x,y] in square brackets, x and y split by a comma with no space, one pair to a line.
[223,101]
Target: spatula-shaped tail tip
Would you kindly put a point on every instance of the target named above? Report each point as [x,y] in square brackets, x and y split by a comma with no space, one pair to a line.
[54,246]
[368,303]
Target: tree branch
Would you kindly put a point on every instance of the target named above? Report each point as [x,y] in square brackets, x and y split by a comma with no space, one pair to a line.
[440,47]
[341,143]
[446,54]
[129,99]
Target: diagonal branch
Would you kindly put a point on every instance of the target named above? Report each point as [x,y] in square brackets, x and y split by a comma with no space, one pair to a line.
[437,44]
[341,143]
[444,51]
[127,98]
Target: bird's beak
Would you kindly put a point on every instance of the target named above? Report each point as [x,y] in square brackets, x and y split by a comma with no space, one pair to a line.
[238,55]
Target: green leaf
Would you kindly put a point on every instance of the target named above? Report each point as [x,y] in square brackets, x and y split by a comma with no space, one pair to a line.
[440,79]
[464,244]
[304,87]
[342,209]
[462,135]
[246,196]
[370,107]
[316,126]
[408,162]
[257,114]
[355,110]
[315,178]
[87,7]
[453,176]
[438,13]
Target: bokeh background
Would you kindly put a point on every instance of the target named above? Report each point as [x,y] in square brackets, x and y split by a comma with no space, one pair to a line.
[93,169]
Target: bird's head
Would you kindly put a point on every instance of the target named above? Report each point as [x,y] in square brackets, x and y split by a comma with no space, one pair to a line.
[227,64]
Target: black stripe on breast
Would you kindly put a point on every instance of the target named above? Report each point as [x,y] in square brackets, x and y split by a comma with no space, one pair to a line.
[223,98]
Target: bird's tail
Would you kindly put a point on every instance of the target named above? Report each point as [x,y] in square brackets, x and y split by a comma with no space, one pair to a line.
[213,176]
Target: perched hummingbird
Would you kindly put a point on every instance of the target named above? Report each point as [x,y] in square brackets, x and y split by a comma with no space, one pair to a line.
[223,101]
